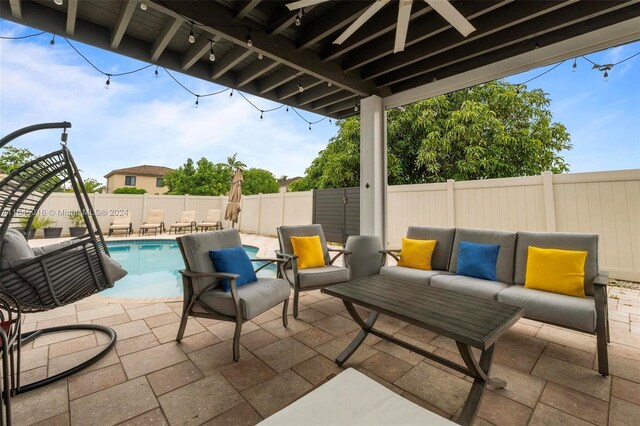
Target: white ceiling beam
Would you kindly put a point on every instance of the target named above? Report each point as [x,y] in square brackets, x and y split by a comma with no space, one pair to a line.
[247,8]
[614,35]
[404,13]
[451,14]
[16,8]
[72,12]
[122,21]
[375,7]
[169,30]
[195,52]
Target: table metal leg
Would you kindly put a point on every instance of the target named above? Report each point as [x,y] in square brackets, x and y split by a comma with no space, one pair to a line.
[480,371]
[357,341]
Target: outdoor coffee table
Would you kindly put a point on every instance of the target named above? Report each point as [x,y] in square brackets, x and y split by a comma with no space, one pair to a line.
[470,321]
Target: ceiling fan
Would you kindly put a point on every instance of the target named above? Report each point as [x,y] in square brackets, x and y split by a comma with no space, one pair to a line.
[443,7]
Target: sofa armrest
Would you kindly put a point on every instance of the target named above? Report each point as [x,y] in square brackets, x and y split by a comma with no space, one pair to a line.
[340,252]
[286,256]
[602,279]
[392,252]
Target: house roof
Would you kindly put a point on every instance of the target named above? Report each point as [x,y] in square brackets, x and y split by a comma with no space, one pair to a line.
[300,64]
[144,170]
[287,182]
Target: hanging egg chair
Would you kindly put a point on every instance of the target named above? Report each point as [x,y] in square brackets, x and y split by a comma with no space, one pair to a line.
[41,279]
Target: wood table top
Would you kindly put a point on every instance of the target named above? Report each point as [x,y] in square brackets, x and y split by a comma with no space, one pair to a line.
[467,319]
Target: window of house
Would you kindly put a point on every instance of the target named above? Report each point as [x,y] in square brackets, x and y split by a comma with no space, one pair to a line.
[159,182]
[130,180]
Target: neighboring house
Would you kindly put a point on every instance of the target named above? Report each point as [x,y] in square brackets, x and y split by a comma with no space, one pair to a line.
[150,178]
[284,183]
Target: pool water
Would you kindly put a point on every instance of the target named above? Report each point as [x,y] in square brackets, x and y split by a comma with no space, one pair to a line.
[153,268]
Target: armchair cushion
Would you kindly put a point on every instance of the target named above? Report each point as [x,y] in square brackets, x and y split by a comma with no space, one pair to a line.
[233,260]
[557,271]
[309,251]
[255,297]
[325,275]
[574,312]
[478,260]
[286,232]
[14,246]
[417,253]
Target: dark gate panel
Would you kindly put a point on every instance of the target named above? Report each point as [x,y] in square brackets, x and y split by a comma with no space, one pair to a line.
[338,211]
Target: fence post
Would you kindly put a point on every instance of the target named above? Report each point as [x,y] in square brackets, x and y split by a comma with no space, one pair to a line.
[283,205]
[451,213]
[144,206]
[549,201]
[186,202]
[259,213]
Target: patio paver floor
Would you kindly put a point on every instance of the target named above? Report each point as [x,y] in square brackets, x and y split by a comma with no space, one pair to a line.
[149,379]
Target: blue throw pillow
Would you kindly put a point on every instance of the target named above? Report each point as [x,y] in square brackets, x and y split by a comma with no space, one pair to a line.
[233,261]
[477,260]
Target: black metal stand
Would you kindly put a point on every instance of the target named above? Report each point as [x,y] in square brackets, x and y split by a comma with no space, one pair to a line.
[26,337]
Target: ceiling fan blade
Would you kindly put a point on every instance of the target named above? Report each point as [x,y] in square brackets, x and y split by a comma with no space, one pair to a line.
[371,10]
[303,3]
[451,14]
[404,13]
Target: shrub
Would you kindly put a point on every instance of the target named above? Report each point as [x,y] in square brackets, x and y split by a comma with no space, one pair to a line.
[129,190]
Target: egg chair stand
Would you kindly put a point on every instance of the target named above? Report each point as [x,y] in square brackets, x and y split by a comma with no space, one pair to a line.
[56,276]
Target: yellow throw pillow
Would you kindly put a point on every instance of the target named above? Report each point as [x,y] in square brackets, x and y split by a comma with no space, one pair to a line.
[417,253]
[557,271]
[309,251]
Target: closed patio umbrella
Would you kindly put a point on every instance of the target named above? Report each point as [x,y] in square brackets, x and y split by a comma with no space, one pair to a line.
[233,208]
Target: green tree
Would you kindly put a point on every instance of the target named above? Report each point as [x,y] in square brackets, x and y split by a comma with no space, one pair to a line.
[259,181]
[12,158]
[129,190]
[233,163]
[201,178]
[92,185]
[491,130]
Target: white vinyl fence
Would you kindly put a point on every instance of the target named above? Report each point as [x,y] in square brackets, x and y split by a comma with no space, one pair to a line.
[606,203]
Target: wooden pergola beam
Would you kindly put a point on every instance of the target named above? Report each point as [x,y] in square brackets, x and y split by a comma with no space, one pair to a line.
[326,24]
[16,8]
[233,57]
[195,51]
[122,21]
[72,12]
[169,30]
[315,93]
[277,79]
[254,70]
[245,7]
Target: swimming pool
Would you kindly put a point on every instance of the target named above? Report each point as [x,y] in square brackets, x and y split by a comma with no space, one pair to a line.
[153,268]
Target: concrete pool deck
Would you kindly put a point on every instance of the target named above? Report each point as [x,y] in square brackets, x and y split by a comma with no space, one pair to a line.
[148,379]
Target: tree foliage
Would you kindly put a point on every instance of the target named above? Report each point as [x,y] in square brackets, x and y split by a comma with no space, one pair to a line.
[12,158]
[129,190]
[201,178]
[233,163]
[492,130]
[92,185]
[259,181]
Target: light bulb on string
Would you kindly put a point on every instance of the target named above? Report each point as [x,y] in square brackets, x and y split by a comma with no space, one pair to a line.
[261,115]
[606,75]
[197,101]
[287,110]
[329,84]
[157,74]
[300,88]
[249,41]
[107,83]
[299,17]
[58,2]
[574,67]
[192,37]
[231,94]
[143,6]
[260,55]
[309,126]
[53,41]
[212,56]
[356,108]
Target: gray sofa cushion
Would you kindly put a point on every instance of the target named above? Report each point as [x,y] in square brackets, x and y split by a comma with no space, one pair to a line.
[477,287]
[286,232]
[255,297]
[410,274]
[575,312]
[442,252]
[506,240]
[326,275]
[14,247]
[562,241]
[196,249]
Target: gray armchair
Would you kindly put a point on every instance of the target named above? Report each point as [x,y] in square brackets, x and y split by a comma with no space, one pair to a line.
[311,278]
[202,286]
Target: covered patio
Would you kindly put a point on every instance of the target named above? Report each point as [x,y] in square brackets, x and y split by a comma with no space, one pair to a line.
[389,57]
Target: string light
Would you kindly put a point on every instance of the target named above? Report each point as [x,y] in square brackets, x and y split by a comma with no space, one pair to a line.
[58,2]
[249,41]
[107,83]
[157,74]
[260,56]
[299,17]
[53,40]
[309,126]
[212,56]
[300,88]
[329,84]
[231,94]
[287,108]
[606,75]
[356,108]
[434,79]
[574,67]
[261,114]
[192,37]
[143,6]
[537,45]
[197,101]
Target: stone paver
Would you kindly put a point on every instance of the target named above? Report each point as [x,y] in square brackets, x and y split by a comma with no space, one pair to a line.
[551,372]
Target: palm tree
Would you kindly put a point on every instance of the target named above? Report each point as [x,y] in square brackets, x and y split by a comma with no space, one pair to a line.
[233,164]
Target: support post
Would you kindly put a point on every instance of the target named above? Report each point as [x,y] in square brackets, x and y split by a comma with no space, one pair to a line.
[549,201]
[373,168]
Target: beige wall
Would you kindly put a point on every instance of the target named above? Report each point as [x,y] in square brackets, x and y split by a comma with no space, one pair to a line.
[606,203]
[147,183]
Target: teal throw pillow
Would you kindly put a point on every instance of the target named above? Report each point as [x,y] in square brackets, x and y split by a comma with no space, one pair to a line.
[233,261]
[477,260]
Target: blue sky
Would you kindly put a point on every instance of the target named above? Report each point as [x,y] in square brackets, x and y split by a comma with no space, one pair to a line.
[141,119]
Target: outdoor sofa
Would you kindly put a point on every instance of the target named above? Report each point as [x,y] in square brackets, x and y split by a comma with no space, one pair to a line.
[586,314]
